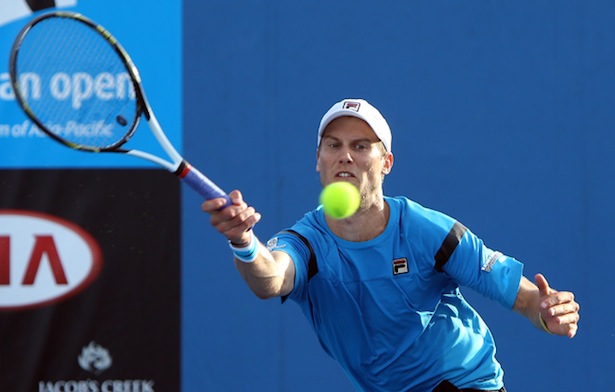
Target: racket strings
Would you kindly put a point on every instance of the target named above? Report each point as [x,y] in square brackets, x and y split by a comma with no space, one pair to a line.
[75,83]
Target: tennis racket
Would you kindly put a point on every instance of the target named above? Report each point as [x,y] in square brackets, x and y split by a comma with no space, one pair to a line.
[74,80]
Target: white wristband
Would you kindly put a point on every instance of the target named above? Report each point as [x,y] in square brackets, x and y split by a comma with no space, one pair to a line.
[246,253]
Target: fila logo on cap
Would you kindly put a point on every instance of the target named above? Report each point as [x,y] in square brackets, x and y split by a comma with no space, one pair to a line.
[352,105]
[400,266]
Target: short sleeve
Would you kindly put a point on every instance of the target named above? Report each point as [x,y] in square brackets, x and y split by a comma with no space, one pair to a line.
[299,254]
[488,272]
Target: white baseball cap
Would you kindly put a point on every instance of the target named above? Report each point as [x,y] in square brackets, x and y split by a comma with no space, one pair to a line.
[362,109]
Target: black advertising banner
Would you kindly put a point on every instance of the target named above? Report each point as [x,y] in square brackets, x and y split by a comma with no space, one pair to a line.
[89,280]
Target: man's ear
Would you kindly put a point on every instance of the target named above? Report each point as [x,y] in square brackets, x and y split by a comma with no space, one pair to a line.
[317,160]
[388,163]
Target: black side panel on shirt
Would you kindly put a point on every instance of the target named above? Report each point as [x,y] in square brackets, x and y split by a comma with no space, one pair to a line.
[312,266]
[449,245]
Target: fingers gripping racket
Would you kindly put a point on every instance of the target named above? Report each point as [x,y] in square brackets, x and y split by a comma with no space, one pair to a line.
[74,80]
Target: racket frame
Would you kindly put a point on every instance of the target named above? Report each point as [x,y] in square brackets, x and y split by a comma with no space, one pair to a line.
[193,177]
[142,105]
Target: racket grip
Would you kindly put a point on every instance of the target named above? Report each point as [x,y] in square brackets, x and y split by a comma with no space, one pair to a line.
[200,183]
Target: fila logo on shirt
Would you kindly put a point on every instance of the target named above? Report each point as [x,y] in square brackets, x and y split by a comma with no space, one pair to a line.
[400,266]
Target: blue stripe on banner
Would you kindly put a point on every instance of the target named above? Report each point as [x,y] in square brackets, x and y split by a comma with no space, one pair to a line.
[22,145]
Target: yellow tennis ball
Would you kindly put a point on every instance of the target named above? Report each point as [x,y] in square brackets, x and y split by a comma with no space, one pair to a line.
[340,199]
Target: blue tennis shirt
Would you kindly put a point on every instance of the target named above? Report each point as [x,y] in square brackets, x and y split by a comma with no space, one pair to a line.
[389,310]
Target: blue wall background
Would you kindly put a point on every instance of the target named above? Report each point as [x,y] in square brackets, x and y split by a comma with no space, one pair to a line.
[502,116]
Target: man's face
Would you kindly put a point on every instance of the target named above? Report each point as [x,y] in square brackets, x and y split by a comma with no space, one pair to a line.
[350,151]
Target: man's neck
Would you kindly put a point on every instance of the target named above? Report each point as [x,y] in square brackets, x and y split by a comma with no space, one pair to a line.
[364,225]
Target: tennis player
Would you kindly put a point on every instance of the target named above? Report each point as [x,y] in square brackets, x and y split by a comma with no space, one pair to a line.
[381,288]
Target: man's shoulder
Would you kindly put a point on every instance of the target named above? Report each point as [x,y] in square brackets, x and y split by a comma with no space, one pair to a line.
[418,219]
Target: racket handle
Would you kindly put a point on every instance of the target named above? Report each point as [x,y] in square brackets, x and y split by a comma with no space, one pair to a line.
[200,183]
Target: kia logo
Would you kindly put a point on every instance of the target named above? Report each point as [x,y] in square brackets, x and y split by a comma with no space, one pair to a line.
[43,259]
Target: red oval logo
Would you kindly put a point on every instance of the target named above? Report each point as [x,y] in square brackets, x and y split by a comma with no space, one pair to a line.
[43,259]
